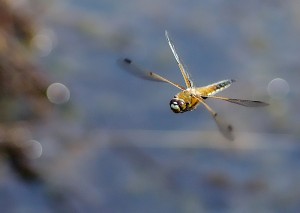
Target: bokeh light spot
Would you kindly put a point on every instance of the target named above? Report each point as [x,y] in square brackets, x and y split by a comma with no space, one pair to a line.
[33,149]
[278,88]
[58,93]
[44,41]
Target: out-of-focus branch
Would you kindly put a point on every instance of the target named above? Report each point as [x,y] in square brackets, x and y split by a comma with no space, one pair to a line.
[22,88]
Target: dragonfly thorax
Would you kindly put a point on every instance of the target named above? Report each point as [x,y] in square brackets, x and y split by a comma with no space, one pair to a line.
[183,102]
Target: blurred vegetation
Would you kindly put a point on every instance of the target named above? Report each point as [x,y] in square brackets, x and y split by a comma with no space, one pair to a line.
[22,87]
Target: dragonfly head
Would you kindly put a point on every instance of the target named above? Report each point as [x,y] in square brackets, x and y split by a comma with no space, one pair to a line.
[178,105]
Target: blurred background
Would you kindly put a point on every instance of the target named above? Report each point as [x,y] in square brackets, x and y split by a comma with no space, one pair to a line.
[79,134]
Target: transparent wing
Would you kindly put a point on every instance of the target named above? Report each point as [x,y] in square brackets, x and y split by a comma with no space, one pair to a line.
[225,128]
[242,102]
[128,65]
[184,73]
[132,68]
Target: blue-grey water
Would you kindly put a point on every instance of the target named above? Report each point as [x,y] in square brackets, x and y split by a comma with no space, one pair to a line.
[117,147]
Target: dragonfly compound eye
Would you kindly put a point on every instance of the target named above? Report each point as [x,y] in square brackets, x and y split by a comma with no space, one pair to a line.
[177,105]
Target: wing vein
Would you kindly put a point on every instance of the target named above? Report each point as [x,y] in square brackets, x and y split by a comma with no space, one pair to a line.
[184,73]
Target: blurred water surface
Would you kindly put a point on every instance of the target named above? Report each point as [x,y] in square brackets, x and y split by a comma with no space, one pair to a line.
[112,144]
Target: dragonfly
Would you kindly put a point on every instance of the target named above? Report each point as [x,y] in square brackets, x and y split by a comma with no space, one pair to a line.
[190,96]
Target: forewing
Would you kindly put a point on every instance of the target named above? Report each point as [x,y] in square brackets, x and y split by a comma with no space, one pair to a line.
[132,68]
[128,65]
[180,63]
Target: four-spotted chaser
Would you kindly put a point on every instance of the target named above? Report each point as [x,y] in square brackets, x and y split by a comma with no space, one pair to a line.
[190,96]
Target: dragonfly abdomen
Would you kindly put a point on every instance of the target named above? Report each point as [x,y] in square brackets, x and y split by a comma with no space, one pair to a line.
[215,87]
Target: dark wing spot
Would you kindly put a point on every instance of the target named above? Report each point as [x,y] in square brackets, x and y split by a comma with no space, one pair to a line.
[127,60]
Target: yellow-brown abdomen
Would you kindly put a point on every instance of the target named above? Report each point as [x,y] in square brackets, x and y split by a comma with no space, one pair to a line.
[214,88]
